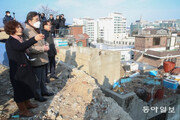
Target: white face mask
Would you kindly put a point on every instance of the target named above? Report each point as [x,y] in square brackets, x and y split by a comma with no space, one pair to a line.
[37,24]
[8,14]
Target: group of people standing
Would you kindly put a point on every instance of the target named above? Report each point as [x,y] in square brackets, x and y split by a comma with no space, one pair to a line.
[30,51]
[58,24]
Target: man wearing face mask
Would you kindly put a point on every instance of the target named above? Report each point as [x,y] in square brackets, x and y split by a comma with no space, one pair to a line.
[38,52]
[7,17]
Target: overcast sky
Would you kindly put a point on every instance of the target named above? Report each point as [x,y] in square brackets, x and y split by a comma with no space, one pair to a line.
[132,9]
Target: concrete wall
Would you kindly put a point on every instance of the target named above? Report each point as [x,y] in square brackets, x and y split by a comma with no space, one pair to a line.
[134,106]
[103,65]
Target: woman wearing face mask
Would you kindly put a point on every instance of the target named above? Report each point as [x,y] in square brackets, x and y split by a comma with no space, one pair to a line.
[39,52]
[21,75]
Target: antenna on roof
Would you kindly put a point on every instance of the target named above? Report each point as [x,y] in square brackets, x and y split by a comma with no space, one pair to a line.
[140,18]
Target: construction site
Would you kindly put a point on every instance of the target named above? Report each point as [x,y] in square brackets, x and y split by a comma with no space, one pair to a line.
[96,84]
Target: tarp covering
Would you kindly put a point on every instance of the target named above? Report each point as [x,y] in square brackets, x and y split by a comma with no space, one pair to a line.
[3,55]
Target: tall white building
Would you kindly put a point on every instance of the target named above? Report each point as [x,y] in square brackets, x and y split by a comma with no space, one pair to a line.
[111,29]
[105,29]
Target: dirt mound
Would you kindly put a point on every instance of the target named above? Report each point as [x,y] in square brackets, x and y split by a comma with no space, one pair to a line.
[77,97]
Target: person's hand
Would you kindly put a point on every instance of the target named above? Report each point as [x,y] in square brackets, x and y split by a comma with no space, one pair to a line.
[46,48]
[47,44]
[39,37]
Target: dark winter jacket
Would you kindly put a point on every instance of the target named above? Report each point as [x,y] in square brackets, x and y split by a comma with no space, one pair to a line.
[53,24]
[62,22]
[3,40]
[42,19]
[7,19]
[49,39]
[21,76]
[57,23]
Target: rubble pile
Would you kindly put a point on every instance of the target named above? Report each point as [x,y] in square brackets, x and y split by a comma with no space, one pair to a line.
[149,85]
[77,97]
[7,104]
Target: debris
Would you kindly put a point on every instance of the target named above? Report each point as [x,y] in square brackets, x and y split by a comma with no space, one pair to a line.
[176,71]
[168,66]
[172,84]
[159,94]
[134,75]
[153,73]
[143,94]
[72,98]
[15,116]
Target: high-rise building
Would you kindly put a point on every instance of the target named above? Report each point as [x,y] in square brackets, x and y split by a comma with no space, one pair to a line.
[138,26]
[111,30]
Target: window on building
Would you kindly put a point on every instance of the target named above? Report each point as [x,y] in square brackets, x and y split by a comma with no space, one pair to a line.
[156,41]
[129,43]
[132,57]
[126,43]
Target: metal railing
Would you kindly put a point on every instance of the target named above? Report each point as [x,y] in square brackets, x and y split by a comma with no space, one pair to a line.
[61,32]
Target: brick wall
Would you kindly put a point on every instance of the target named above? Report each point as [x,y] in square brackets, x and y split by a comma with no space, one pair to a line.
[149,42]
[142,43]
[75,30]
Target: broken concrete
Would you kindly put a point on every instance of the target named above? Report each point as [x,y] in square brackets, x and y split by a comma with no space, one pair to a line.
[77,97]
[134,106]
[103,65]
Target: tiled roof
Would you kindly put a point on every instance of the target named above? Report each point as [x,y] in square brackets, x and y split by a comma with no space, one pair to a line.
[81,36]
[163,53]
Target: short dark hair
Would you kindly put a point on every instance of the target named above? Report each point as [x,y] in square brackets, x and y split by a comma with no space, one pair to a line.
[46,22]
[10,27]
[42,14]
[7,12]
[30,15]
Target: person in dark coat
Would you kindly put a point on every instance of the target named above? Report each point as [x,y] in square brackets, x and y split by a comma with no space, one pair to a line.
[42,19]
[21,75]
[3,40]
[51,18]
[52,50]
[62,25]
[7,17]
[62,21]
[57,21]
